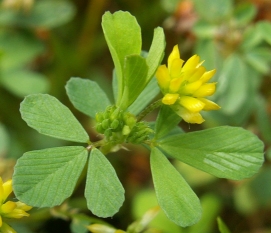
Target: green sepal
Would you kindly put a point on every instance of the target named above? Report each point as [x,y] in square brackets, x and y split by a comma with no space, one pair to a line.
[174,195]
[45,178]
[104,192]
[225,152]
[50,117]
[87,96]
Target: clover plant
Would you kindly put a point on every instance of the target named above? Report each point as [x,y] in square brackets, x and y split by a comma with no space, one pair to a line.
[45,178]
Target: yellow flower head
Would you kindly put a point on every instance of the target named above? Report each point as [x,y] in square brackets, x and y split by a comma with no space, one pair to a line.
[185,86]
[10,209]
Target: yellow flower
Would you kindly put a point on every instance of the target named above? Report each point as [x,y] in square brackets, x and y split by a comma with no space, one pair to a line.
[10,209]
[185,86]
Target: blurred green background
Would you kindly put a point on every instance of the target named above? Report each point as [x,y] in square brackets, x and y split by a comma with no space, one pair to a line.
[45,42]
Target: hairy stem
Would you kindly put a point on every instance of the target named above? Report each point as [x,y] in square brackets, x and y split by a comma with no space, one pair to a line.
[149,109]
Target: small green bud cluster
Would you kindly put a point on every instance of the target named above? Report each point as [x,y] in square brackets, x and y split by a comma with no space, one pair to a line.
[114,123]
[140,133]
[119,126]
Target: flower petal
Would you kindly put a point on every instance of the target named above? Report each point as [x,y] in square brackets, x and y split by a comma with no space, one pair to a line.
[191,104]
[7,188]
[23,206]
[209,105]
[1,191]
[190,88]
[176,68]
[170,99]
[175,84]
[162,76]
[7,207]
[191,63]
[175,54]
[207,76]
[16,213]
[206,89]
[197,74]
[189,117]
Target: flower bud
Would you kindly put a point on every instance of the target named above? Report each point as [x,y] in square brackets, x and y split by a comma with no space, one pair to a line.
[115,114]
[99,128]
[108,133]
[115,123]
[139,133]
[129,119]
[126,130]
[99,117]
[105,124]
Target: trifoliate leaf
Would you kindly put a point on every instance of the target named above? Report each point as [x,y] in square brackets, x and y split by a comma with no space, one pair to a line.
[104,192]
[123,37]
[156,52]
[174,195]
[48,116]
[135,79]
[23,82]
[87,96]
[45,178]
[225,152]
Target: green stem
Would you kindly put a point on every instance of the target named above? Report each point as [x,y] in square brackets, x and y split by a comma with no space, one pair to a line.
[149,109]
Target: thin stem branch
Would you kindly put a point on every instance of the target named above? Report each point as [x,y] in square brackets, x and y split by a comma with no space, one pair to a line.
[149,109]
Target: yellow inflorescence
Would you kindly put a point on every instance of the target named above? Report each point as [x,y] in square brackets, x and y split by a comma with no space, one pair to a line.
[185,86]
[10,209]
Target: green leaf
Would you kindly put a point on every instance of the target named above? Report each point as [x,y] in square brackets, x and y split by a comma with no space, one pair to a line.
[24,82]
[222,226]
[174,195]
[156,52]
[145,98]
[145,200]
[244,13]
[135,79]
[263,118]
[259,58]
[49,14]
[18,49]
[167,119]
[115,85]
[251,38]
[262,195]
[204,29]
[45,178]
[87,96]
[213,11]
[233,84]
[123,37]
[104,192]
[48,116]
[225,152]
[264,28]
[208,51]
